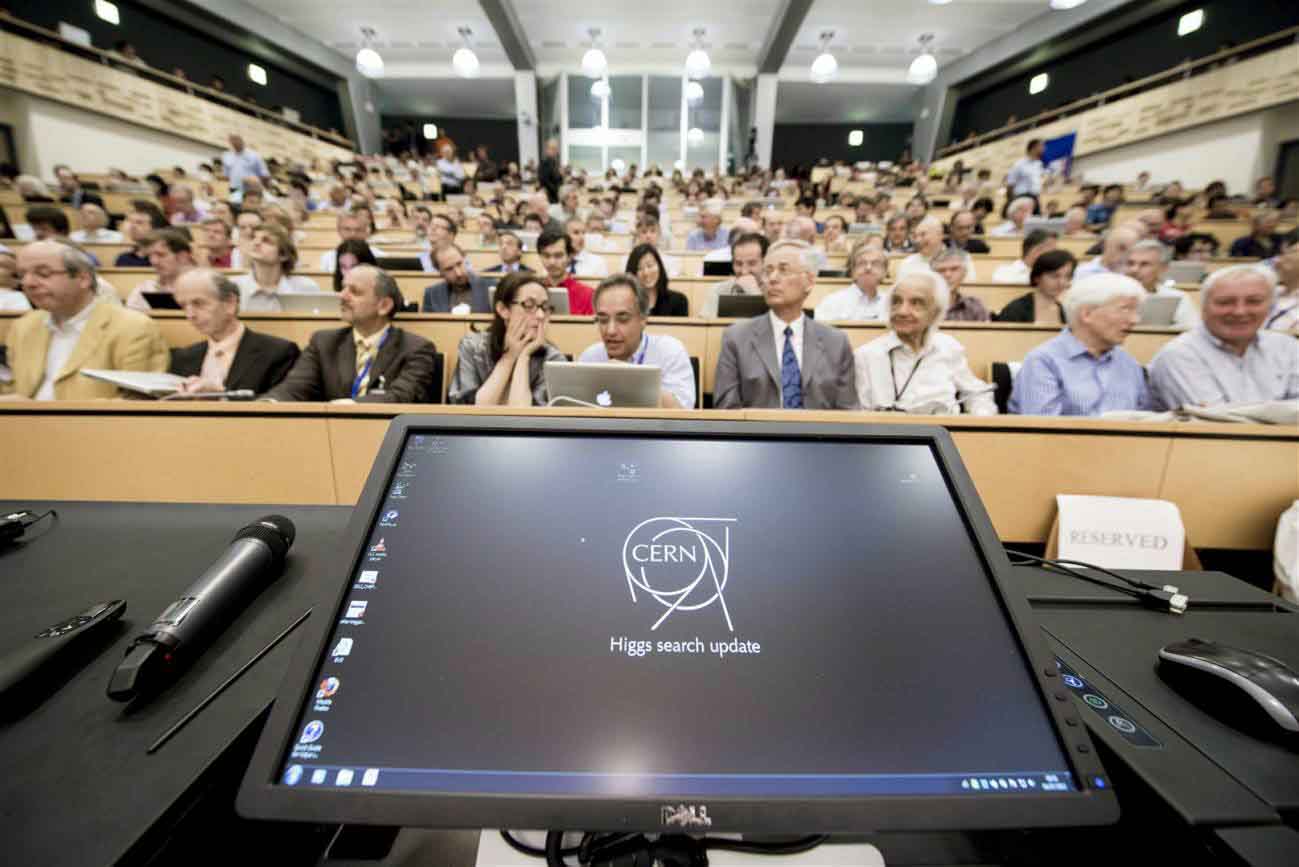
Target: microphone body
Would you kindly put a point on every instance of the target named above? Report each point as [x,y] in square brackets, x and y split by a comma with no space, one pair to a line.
[237,394]
[254,558]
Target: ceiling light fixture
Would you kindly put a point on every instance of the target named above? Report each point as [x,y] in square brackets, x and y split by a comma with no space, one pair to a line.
[694,92]
[464,61]
[695,136]
[600,88]
[1038,83]
[430,131]
[924,68]
[594,63]
[825,67]
[368,61]
[698,64]
[107,11]
[257,74]
[945,2]
[856,136]
[1061,5]
[1190,22]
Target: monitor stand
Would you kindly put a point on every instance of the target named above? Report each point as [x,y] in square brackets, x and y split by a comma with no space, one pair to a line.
[495,852]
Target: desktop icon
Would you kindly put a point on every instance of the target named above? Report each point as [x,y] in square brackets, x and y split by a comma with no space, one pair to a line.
[312,732]
[344,777]
[399,488]
[328,687]
[318,776]
[356,610]
[370,777]
[293,775]
[343,648]
[378,547]
[407,468]
[389,518]
[368,577]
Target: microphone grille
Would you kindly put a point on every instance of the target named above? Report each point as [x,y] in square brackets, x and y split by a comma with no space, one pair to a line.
[283,526]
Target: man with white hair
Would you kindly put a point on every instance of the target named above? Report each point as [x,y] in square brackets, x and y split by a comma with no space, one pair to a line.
[710,235]
[1263,241]
[1147,263]
[915,368]
[566,208]
[1016,213]
[1075,222]
[539,205]
[862,301]
[94,220]
[1114,254]
[1229,358]
[354,224]
[782,358]
[1084,370]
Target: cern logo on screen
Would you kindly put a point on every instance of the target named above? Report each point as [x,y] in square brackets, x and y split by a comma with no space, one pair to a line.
[679,565]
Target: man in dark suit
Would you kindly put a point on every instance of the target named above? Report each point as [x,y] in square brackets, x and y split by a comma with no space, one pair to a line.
[458,286]
[961,232]
[549,175]
[511,255]
[232,357]
[783,358]
[371,360]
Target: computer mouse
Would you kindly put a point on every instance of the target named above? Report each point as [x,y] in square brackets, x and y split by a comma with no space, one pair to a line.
[1242,686]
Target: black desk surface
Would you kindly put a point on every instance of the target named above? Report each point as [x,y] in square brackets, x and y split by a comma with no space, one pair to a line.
[76,786]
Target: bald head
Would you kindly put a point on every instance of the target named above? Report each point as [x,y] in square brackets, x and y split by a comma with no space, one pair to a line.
[802,229]
[1117,244]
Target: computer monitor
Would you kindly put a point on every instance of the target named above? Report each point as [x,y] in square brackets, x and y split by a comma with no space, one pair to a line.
[602,623]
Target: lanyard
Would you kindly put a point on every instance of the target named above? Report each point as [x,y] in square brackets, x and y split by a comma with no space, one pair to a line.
[639,357]
[365,371]
[893,373]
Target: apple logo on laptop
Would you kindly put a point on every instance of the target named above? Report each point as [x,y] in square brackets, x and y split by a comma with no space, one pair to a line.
[604,399]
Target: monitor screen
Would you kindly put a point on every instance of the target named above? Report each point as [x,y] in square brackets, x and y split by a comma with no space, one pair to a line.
[672,618]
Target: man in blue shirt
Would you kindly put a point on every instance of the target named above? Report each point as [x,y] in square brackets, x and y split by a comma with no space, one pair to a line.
[710,235]
[1084,370]
[239,162]
[1100,215]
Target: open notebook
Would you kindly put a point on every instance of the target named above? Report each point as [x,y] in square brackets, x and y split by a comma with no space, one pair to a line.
[151,384]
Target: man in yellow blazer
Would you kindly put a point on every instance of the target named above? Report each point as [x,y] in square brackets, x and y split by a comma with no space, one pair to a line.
[69,331]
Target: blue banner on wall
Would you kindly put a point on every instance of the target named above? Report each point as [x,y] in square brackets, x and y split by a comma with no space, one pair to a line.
[1057,154]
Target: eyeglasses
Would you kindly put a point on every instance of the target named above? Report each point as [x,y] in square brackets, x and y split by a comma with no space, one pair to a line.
[529,306]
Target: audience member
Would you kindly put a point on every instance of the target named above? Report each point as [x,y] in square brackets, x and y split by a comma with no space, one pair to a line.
[1025,176]
[773,225]
[952,266]
[1114,253]
[1102,212]
[44,222]
[584,262]
[748,249]
[1084,370]
[915,368]
[538,206]
[348,255]
[69,332]
[710,235]
[645,263]
[230,357]
[460,291]
[1075,223]
[144,219]
[1017,212]
[217,244]
[450,171]
[239,164]
[897,236]
[11,296]
[354,224]
[170,255]
[1264,241]
[33,190]
[1284,315]
[556,253]
[246,226]
[621,307]
[511,250]
[1049,278]
[370,360]
[505,365]
[803,228]
[862,301]
[94,220]
[566,208]
[71,191]
[835,238]
[783,358]
[1035,243]
[962,233]
[1265,193]
[1228,358]
[1178,220]
[184,209]
[273,258]
[1195,247]
[1147,264]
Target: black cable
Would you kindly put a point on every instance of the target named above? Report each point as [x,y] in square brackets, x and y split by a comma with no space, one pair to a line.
[1141,585]
[554,849]
[1051,566]
[43,516]
[601,847]
[791,847]
[519,846]
[1166,599]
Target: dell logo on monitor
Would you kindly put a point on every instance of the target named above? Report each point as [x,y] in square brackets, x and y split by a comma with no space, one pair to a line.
[682,564]
[693,816]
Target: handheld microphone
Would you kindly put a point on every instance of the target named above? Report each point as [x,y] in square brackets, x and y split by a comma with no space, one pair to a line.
[254,559]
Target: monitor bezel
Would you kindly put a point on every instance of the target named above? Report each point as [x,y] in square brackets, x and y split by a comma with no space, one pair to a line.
[261,796]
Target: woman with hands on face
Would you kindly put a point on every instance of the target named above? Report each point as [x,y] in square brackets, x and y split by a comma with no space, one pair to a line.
[505,365]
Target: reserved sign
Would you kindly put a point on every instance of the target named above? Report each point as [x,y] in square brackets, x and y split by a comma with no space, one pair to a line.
[1121,532]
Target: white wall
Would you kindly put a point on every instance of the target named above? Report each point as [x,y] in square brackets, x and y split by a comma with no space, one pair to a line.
[48,133]
[1230,150]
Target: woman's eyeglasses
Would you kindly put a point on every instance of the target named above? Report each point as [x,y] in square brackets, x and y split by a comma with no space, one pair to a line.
[529,306]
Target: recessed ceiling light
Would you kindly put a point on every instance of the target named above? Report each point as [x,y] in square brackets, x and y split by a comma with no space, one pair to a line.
[256,73]
[856,137]
[1190,22]
[1062,5]
[430,131]
[1038,83]
[107,11]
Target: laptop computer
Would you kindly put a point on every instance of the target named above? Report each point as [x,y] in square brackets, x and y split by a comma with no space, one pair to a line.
[741,306]
[161,300]
[1184,271]
[140,382]
[718,268]
[308,303]
[400,263]
[1159,310]
[607,385]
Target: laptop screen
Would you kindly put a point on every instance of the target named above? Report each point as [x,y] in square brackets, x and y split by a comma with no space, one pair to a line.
[671,617]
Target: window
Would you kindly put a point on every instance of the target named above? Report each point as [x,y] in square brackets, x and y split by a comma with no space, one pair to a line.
[256,73]
[1190,22]
[1038,83]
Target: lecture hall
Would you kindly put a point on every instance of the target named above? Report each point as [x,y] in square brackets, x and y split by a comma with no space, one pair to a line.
[457,316]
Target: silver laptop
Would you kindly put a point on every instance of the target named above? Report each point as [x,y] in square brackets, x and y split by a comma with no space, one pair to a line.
[1159,310]
[603,385]
[1187,272]
[310,303]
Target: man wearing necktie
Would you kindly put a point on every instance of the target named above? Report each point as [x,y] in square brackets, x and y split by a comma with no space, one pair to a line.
[783,358]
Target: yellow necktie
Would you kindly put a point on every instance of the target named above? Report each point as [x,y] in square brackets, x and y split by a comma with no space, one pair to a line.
[362,362]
